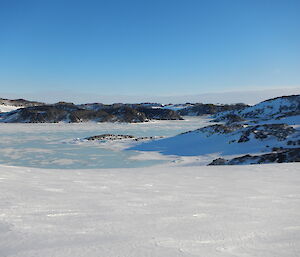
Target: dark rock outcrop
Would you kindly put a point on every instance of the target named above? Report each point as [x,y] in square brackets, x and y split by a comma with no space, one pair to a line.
[205,109]
[159,114]
[69,112]
[280,131]
[294,142]
[245,132]
[218,161]
[284,155]
[112,137]
[220,129]
[19,102]
[230,118]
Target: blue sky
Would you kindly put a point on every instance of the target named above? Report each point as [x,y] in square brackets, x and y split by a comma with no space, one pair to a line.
[118,47]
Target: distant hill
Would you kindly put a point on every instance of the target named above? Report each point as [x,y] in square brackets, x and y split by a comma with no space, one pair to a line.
[69,112]
[275,108]
[19,102]
[20,110]
[206,109]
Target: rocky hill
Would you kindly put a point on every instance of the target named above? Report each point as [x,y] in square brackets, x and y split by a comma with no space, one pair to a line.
[205,109]
[159,114]
[276,109]
[7,105]
[19,102]
[69,112]
[138,112]
[250,135]
[267,143]
[277,156]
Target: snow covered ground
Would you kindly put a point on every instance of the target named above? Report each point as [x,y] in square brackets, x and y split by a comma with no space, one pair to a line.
[249,211]
[8,108]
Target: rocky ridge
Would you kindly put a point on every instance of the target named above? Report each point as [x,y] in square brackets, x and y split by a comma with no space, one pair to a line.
[69,112]
[7,105]
[200,109]
[276,109]
[281,156]
[19,102]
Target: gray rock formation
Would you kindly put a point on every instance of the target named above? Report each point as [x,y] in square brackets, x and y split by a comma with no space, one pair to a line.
[19,102]
[205,109]
[68,112]
[113,137]
[281,156]
[276,108]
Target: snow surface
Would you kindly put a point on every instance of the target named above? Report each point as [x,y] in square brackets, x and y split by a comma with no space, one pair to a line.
[8,108]
[159,212]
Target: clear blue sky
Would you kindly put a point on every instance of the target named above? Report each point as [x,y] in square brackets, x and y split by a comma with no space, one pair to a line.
[153,47]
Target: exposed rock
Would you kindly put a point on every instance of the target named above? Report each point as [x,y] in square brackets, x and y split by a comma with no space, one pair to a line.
[19,102]
[280,131]
[112,137]
[151,105]
[284,155]
[287,114]
[276,108]
[229,118]
[68,112]
[159,114]
[205,109]
[293,142]
[220,129]
[219,161]
[92,106]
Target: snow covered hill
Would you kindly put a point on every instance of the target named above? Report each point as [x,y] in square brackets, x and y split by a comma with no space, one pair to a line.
[275,108]
[151,212]
[227,141]
[264,133]
[7,105]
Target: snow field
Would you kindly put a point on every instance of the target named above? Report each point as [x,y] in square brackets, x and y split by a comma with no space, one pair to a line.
[179,211]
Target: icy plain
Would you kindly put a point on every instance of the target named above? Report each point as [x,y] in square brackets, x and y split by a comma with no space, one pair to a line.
[222,211]
[53,145]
